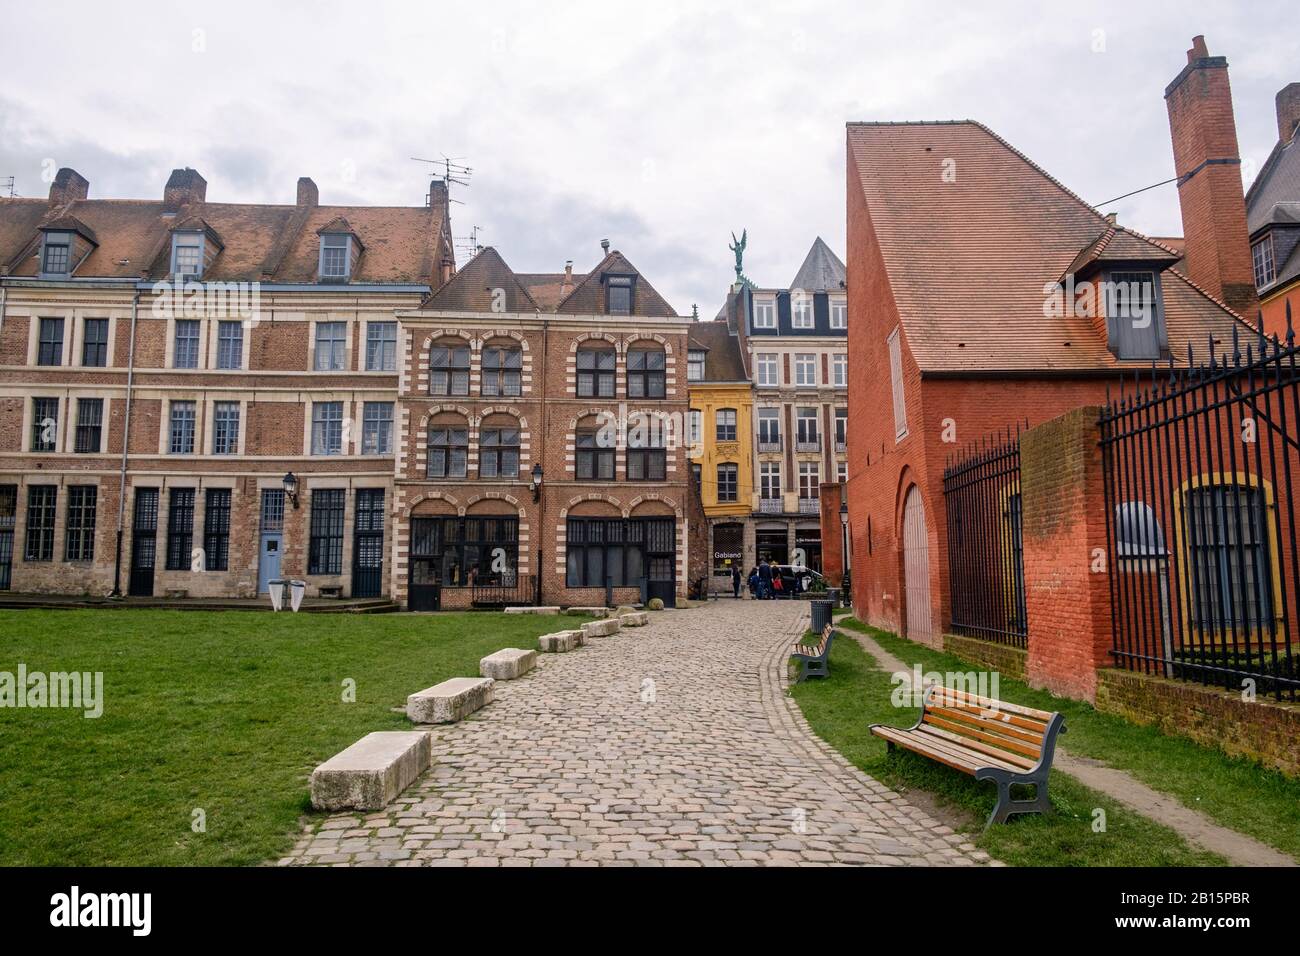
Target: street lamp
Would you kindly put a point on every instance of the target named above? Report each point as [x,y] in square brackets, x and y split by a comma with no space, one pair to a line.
[536,485]
[290,482]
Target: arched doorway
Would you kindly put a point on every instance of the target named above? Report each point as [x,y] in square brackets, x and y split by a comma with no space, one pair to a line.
[916,569]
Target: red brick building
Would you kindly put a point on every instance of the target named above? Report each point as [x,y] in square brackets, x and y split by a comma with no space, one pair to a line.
[982,294]
[541,433]
[195,353]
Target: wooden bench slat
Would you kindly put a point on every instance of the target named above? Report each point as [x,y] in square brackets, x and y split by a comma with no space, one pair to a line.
[997,757]
[1031,724]
[970,733]
[975,720]
[927,748]
[931,744]
[963,696]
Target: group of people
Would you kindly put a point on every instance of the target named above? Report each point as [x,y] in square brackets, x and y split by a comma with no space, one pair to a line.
[765,582]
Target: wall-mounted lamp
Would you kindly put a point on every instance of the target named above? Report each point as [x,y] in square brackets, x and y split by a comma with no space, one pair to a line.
[290,482]
[536,485]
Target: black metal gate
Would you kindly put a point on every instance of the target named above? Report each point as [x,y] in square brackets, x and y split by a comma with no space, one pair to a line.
[424,586]
[661,560]
[144,542]
[368,544]
[8,512]
[1202,470]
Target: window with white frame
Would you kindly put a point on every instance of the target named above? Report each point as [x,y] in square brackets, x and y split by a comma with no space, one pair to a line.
[695,427]
[801,310]
[449,370]
[45,424]
[809,479]
[842,472]
[764,312]
[185,344]
[225,428]
[839,313]
[335,257]
[769,426]
[381,346]
[769,480]
[840,371]
[1262,255]
[331,346]
[448,451]
[841,427]
[726,424]
[896,385]
[805,369]
[502,370]
[695,365]
[230,345]
[769,372]
[498,453]
[377,428]
[327,428]
[806,426]
[180,440]
[187,254]
[90,426]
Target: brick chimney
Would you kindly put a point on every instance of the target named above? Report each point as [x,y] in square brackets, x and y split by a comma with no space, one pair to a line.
[68,185]
[184,186]
[308,194]
[1208,164]
[1288,111]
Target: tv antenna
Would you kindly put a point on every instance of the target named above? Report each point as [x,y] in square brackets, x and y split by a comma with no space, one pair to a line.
[453,171]
[470,245]
[8,184]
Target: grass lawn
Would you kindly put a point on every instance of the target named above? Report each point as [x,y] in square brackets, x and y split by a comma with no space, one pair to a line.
[857,694]
[227,712]
[1235,793]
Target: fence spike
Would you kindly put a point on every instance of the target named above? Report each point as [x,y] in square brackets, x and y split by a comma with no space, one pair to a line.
[1236,347]
[1290,331]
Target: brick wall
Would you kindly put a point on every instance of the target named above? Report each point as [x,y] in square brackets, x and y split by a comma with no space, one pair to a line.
[1006,659]
[1262,730]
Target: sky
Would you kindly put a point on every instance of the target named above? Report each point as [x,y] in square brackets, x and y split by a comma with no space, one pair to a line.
[660,126]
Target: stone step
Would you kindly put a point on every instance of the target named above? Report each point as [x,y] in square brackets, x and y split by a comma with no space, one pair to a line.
[450,701]
[560,642]
[508,663]
[532,610]
[372,772]
[635,619]
[609,625]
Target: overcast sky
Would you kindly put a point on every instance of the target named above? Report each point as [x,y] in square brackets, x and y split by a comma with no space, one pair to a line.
[662,126]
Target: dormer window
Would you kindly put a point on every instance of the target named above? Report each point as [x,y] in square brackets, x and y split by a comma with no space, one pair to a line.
[1265,267]
[335,257]
[56,255]
[618,295]
[187,254]
[1135,318]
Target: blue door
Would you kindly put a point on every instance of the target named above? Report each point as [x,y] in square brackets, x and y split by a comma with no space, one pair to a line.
[272,538]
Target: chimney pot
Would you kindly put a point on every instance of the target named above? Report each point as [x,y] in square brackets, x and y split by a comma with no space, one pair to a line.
[184,186]
[68,186]
[568,270]
[604,245]
[1199,51]
[1288,111]
[1112,218]
[308,193]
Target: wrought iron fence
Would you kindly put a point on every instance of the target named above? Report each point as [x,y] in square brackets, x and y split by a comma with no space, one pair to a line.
[986,572]
[1200,482]
[505,590]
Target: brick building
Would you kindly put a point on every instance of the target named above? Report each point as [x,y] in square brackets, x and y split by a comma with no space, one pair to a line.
[233,367]
[983,295]
[795,340]
[1273,219]
[540,451]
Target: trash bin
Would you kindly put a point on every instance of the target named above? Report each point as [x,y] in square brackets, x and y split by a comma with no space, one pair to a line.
[276,589]
[833,595]
[296,590]
[821,614]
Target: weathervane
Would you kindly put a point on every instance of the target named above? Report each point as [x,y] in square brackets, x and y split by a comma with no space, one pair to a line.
[738,247]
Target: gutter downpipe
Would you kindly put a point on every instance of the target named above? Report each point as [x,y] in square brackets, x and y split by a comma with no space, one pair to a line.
[126,447]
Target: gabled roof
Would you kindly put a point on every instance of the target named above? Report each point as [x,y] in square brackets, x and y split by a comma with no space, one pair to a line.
[968,257]
[588,296]
[406,245]
[722,360]
[70,224]
[1274,199]
[473,288]
[1118,244]
[822,270]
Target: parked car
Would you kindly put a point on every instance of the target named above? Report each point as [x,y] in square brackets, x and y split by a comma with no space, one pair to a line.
[795,579]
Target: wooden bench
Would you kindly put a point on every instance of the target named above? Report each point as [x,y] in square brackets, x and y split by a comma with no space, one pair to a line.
[987,739]
[813,661]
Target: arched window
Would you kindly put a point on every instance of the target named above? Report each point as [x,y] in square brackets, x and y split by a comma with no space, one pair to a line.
[449,368]
[498,452]
[594,455]
[448,450]
[596,372]
[501,370]
[645,373]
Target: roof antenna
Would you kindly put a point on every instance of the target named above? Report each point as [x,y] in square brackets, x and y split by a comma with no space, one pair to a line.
[452,172]
[469,245]
[9,185]
[604,245]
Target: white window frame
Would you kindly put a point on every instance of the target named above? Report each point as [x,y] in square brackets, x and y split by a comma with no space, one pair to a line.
[801,310]
[188,240]
[764,312]
[805,362]
[331,240]
[761,366]
[839,312]
[840,370]
[1263,261]
[695,359]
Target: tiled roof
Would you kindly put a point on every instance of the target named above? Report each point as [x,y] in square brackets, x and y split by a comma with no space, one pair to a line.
[722,360]
[1117,244]
[1278,182]
[822,270]
[548,289]
[968,254]
[473,288]
[588,296]
[402,244]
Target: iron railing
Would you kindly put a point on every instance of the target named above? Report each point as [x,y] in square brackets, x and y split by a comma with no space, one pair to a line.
[508,590]
[1201,475]
[986,573]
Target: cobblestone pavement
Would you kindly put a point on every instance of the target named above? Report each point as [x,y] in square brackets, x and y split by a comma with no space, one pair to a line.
[673,744]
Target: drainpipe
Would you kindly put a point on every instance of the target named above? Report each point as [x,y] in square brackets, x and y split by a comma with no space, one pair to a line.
[541,497]
[126,446]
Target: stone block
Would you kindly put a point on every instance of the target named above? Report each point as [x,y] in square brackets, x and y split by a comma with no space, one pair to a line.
[560,642]
[372,772]
[528,609]
[508,663]
[450,701]
[609,625]
[635,619]
[588,611]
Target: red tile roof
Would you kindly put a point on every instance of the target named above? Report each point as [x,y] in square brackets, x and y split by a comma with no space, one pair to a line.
[968,259]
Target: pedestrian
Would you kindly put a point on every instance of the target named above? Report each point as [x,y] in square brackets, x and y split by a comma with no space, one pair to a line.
[753,582]
[735,581]
[764,580]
